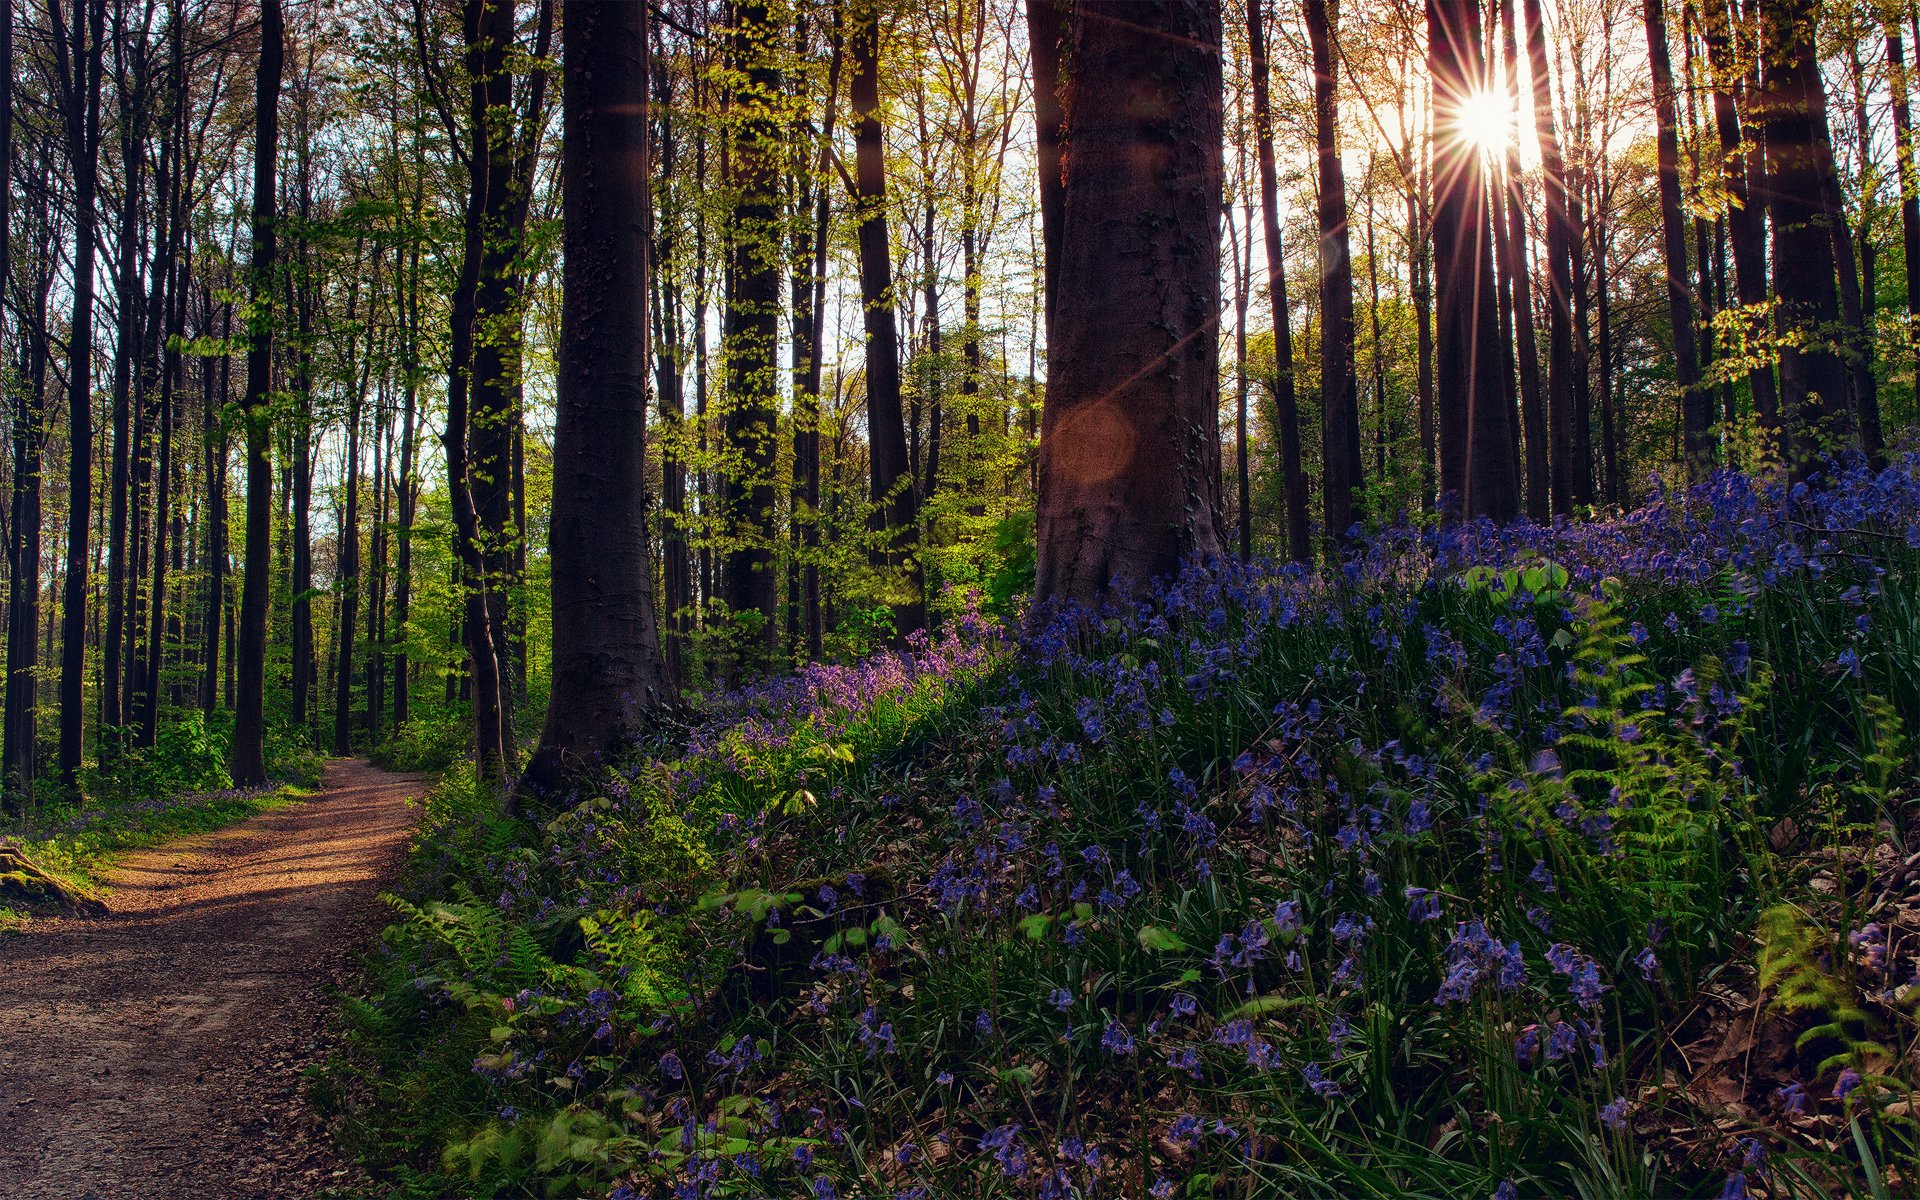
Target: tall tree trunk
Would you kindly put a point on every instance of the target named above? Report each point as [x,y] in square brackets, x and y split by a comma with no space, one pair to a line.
[486,55]
[1909,184]
[1746,214]
[249,726]
[1129,444]
[126,365]
[1696,408]
[1242,270]
[892,495]
[1561,246]
[1047,28]
[1533,414]
[1286,402]
[347,572]
[1476,455]
[407,494]
[213,435]
[1813,380]
[809,320]
[608,671]
[1340,469]
[510,150]
[77,62]
[750,420]
[163,498]
[23,510]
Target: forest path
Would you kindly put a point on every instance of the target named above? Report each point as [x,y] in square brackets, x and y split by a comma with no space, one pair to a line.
[156,1051]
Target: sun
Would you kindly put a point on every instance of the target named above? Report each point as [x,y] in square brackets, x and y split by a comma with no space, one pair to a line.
[1485,121]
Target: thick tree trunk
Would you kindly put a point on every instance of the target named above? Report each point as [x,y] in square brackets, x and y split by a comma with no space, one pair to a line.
[1129,444]
[1476,440]
[608,671]
[1813,380]
[1286,402]
[249,726]
[1340,469]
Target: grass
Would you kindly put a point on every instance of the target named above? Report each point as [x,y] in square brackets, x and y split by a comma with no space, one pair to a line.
[79,845]
[1451,874]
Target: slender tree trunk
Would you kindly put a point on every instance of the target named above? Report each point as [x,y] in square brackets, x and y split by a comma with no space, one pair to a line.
[213,433]
[1340,469]
[347,573]
[1561,247]
[1533,413]
[163,498]
[1909,185]
[1286,402]
[407,491]
[1047,28]
[750,420]
[1696,409]
[78,64]
[1129,444]
[1243,478]
[1746,216]
[608,672]
[249,762]
[126,362]
[809,319]
[892,496]
[486,50]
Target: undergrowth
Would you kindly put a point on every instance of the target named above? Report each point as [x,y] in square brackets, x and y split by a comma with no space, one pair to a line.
[1564,861]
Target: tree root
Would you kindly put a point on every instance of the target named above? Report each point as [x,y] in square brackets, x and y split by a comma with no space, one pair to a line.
[21,880]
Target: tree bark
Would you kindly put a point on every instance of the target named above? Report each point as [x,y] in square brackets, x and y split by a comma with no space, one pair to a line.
[1746,215]
[750,419]
[1047,26]
[249,727]
[1476,454]
[608,672]
[1696,407]
[1909,183]
[1286,402]
[1129,443]
[1813,380]
[1560,247]
[1340,469]
[892,493]
[1533,414]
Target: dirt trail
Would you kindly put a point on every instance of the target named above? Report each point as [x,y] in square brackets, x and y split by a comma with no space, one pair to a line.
[156,1051]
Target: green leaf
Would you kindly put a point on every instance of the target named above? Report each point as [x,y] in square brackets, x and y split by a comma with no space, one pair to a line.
[1159,939]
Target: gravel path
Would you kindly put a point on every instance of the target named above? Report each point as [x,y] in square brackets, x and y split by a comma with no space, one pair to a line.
[156,1051]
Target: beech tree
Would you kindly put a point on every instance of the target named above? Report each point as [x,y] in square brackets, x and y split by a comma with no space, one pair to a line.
[1129,440]
[608,671]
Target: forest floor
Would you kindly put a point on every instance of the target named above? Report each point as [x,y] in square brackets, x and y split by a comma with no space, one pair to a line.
[157,1051]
